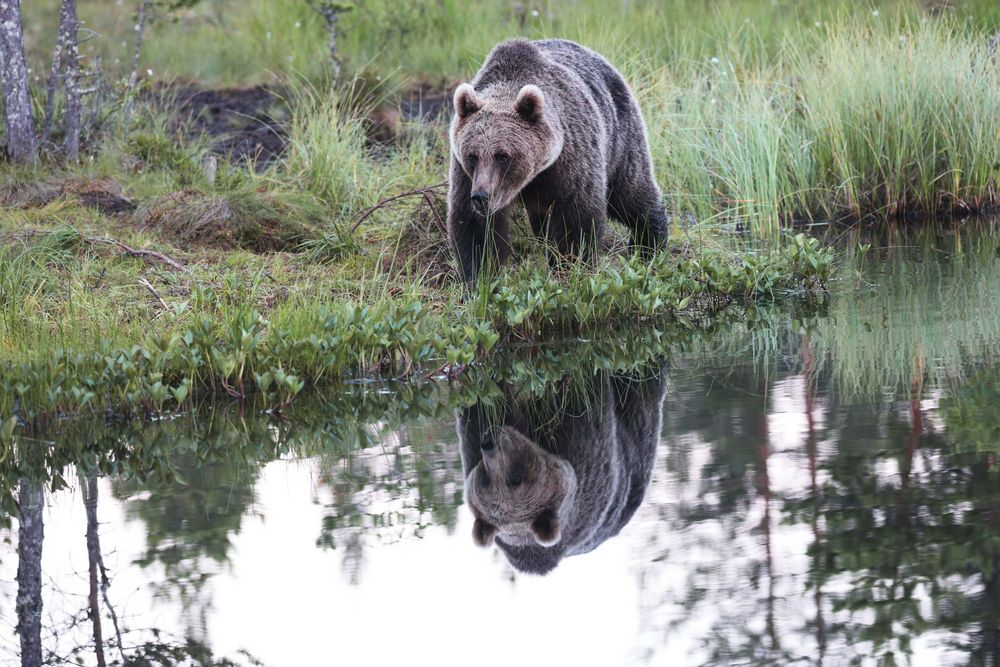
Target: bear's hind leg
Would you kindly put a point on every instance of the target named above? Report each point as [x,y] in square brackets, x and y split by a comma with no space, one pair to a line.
[636,202]
[573,226]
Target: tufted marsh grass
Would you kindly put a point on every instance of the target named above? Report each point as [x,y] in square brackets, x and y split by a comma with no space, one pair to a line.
[760,114]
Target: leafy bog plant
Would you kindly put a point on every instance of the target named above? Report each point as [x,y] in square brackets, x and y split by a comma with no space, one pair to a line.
[528,302]
[239,351]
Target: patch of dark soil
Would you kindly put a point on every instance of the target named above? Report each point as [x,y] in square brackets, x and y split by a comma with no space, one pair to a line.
[242,123]
[253,123]
[103,194]
[425,105]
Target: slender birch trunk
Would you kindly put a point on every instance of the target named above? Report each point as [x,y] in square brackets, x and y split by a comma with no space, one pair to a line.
[22,145]
[52,83]
[70,29]
[133,79]
[331,11]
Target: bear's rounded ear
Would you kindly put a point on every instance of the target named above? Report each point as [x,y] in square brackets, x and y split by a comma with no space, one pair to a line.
[483,533]
[546,528]
[466,101]
[529,103]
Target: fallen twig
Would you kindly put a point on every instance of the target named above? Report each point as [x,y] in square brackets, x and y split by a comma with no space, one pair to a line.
[436,217]
[152,290]
[100,278]
[424,193]
[138,252]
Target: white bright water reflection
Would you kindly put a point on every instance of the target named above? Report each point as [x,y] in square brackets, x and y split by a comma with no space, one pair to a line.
[686,583]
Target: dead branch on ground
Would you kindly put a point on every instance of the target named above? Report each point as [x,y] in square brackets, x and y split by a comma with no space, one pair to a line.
[429,195]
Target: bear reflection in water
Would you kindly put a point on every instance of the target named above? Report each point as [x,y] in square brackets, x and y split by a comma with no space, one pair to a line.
[557,476]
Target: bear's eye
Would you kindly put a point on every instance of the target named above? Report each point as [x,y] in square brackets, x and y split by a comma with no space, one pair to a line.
[502,159]
[471,160]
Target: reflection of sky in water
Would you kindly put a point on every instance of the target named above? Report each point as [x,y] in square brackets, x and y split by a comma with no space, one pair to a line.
[683,581]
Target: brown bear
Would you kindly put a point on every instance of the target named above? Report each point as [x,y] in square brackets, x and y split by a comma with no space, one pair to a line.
[552,125]
[557,476]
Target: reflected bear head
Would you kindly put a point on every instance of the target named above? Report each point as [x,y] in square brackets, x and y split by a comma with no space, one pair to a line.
[519,493]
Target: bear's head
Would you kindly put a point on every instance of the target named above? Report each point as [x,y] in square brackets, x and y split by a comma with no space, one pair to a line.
[519,493]
[503,139]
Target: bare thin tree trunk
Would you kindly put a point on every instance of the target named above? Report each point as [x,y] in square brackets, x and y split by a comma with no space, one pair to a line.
[30,532]
[52,84]
[331,17]
[66,56]
[133,79]
[71,30]
[21,143]
[331,11]
[94,556]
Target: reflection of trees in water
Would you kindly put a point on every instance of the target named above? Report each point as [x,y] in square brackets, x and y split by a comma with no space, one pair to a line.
[396,484]
[718,561]
[44,640]
[29,571]
[918,548]
[189,523]
[898,527]
[190,482]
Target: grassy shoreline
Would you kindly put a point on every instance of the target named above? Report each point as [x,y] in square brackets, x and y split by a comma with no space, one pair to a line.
[233,340]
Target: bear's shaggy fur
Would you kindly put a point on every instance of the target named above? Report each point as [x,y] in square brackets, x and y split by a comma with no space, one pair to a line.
[552,125]
[557,477]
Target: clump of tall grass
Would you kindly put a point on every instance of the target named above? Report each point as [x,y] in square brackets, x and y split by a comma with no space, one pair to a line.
[326,152]
[330,157]
[872,118]
[729,147]
[902,117]
[27,277]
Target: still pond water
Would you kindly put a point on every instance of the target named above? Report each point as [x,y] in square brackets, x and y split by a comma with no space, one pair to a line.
[820,480]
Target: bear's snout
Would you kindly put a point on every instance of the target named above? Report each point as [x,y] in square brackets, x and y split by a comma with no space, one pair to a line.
[481,201]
